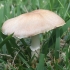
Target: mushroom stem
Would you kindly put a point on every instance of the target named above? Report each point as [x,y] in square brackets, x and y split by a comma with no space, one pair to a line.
[35,45]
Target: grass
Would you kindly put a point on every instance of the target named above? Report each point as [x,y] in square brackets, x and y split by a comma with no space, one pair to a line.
[55,54]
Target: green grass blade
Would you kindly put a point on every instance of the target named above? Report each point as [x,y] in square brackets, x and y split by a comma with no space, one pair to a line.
[67,10]
[65,27]
[50,43]
[58,67]
[57,44]
[1,14]
[9,48]
[23,60]
[5,40]
[7,8]
[40,66]
[22,40]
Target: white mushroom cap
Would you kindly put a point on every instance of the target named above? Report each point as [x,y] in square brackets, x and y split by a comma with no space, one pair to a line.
[32,23]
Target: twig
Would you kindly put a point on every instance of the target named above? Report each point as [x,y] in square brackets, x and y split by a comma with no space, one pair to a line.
[5,55]
[25,8]
[15,57]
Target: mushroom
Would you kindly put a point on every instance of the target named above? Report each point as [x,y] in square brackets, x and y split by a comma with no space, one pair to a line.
[31,25]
